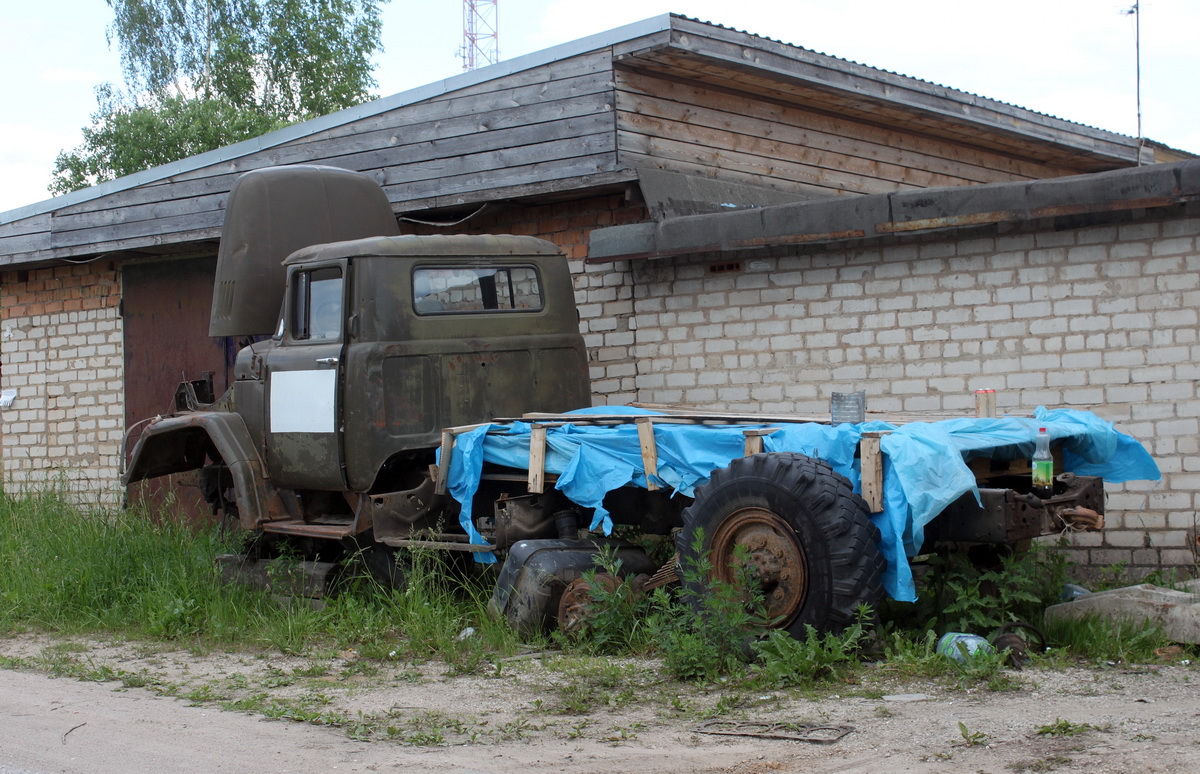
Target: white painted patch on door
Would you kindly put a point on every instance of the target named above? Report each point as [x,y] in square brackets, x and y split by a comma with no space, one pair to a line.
[304,401]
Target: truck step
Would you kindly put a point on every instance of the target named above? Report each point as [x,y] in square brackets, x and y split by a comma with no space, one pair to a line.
[308,528]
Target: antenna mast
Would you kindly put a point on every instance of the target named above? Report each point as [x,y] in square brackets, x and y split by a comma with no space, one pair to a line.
[481,34]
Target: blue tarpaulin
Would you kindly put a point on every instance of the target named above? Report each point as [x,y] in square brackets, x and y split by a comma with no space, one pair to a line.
[924,463]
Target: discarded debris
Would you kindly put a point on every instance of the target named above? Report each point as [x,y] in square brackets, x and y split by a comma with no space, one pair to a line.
[796,732]
[960,646]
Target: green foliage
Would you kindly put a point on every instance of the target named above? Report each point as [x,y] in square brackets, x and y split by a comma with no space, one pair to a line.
[287,58]
[960,596]
[203,74]
[708,634]
[971,738]
[787,661]
[144,575]
[1103,639]
[126,138]
[1062,727]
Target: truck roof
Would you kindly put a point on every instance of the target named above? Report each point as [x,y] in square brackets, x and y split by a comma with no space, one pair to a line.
[438,245]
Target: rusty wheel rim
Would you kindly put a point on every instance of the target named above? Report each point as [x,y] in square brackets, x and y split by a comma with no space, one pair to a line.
[775,557]
[575,605]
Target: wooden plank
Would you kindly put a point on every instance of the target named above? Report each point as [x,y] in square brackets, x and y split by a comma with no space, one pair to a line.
[788,64]
[866,108]
[716,108]
[642,133]
[537,458]
[677,152]
[453,178]
[645,430]
[509,145]
[871,462]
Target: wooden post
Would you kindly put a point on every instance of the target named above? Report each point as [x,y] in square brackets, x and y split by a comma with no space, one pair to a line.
[754,440]
[871,462]
[645,429]
[537,458]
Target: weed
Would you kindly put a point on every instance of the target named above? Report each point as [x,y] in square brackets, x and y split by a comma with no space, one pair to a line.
[1014,587]
[971,738]
[786,661]
[1062,727]
[1102,639]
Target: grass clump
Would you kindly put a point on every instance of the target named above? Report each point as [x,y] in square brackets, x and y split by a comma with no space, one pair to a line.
[136,574]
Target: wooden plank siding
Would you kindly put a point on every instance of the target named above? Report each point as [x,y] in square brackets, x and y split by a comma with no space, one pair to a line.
[845,83]
[680,126]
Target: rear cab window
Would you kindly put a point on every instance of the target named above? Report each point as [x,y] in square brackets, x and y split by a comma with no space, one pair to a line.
[449,290]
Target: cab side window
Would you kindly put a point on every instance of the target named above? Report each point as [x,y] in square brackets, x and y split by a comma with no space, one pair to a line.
[317,305]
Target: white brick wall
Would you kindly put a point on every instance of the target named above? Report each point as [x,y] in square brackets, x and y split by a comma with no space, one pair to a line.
[64,358]
[1102,318]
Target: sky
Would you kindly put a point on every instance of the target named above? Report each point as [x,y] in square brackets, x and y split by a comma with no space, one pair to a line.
[1074,59]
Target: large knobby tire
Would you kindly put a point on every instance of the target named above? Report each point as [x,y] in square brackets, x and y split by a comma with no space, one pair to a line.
[811,545]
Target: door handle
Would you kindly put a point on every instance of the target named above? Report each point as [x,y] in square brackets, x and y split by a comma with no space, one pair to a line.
[327,361]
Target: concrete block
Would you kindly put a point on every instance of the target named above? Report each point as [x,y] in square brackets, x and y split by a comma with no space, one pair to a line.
[1177,612]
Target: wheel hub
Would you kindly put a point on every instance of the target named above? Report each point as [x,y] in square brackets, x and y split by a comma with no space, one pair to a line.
[774,558]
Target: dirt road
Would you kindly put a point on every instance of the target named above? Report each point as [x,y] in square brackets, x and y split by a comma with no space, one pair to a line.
[551,714]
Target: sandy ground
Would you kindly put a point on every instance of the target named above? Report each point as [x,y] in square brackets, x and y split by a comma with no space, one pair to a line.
[132,707]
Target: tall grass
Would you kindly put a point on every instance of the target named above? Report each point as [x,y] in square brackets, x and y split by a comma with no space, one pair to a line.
[133,573]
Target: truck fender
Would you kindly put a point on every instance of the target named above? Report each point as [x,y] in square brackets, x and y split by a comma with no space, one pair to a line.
[178,443]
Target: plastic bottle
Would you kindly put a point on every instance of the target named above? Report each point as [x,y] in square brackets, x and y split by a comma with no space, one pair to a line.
[959,646]
[1043,467]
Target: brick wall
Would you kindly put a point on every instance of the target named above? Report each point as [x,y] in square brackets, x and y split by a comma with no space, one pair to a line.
[60,345]
[1101,318]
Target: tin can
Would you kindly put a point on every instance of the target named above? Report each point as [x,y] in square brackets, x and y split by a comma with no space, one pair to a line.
[958,646]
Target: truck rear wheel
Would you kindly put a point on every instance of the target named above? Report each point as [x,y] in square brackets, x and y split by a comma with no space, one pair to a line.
[808,539]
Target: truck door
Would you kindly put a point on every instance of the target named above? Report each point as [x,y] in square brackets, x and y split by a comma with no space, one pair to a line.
[304,383]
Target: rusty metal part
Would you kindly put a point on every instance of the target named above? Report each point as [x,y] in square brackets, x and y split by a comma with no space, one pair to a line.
[575,604]
[667,575]
[1008,516]
[777,561]
[524,517]
[1082,519]
[403,513]
[796,732]
[1016,646]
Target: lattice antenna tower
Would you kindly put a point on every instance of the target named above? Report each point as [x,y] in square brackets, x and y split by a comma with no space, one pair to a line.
[481,33]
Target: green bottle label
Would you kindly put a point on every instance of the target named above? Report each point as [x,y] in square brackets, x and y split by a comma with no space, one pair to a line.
[1043,472]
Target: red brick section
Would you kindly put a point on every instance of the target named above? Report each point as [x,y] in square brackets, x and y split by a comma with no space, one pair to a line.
[59,289]
[566,224]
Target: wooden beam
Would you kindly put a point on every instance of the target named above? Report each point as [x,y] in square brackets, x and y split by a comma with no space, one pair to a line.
[537,458]
[871,462]
[645,429]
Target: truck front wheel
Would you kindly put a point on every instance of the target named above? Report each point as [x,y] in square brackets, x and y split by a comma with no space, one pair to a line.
[807,539]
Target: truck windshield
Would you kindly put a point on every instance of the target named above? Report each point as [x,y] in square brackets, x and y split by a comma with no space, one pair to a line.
[469,289]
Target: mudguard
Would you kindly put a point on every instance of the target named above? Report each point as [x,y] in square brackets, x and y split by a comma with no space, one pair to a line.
[178,443]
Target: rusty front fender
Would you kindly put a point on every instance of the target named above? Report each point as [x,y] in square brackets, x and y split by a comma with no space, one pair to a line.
[175,444]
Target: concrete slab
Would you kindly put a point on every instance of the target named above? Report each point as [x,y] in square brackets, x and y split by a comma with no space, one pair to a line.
[1177,612]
